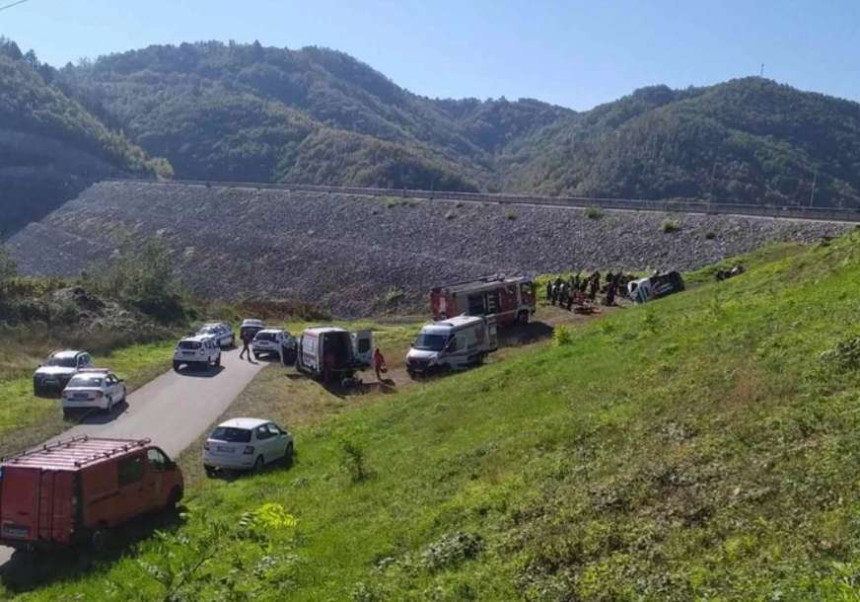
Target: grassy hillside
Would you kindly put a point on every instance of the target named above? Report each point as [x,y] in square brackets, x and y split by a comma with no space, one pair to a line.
[702,446]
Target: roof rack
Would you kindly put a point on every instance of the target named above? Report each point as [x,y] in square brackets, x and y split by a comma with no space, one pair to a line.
[122,447]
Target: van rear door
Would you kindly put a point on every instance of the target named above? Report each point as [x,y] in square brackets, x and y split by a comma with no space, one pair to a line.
[36,505]
[362,347]
[19,504]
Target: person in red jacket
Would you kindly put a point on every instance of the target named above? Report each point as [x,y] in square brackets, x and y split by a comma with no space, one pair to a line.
[379,364]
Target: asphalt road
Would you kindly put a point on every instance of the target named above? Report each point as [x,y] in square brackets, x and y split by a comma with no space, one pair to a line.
[172,410]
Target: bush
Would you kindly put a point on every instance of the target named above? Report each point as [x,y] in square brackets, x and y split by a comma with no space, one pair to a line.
[593,213]
[451,550]
[670,226]
[141,275]
[352,461]
[710,235]
[510,214]
[562,336]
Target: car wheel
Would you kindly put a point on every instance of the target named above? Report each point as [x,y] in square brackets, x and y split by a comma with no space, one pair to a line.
[176,366]
[523,318]
[66,414]
[100,540]
[288,454]
[210,471]
[218,361]
[256,355]
[173,499]
[258,465]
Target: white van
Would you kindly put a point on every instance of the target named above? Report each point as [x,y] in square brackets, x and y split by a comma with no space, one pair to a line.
[452,344]
[332,354]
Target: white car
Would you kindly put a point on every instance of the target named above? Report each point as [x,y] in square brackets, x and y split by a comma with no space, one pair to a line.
[197,352]
[270,342]
[246,444]
[221,331]
[58,369]
[93,388]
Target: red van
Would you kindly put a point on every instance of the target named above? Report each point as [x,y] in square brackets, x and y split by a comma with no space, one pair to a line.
[72,491]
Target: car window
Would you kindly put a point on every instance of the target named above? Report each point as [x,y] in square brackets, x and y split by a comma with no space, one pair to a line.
[231,434]
[86,381]
[156,459]
[130,470]
[274,430]
[263,433]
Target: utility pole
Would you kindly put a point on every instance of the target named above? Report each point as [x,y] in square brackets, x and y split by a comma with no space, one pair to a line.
[761,71]
[812,192]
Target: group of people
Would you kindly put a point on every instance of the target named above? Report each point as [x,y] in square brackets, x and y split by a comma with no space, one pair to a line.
[580,287]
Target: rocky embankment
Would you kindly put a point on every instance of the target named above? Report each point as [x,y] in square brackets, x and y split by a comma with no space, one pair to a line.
[359,255]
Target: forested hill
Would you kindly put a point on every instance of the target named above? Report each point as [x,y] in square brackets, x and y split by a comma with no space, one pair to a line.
[50,146]
[745,141]
[250,113]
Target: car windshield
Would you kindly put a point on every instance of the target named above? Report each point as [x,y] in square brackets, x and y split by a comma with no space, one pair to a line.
[430,342]
[62,362]
[86,381]
[189,345]
[231,434]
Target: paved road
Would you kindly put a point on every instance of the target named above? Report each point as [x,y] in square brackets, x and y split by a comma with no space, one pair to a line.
[172,410]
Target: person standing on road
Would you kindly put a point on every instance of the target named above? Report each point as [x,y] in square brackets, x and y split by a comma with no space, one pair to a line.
[246,342]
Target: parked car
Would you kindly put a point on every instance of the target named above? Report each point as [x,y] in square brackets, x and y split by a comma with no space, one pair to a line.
[74,491]
[655,287]
[452,345]
[197,352]
[93,388]
[221,331]
[271,342]
[246,444]
[58,369]
[333,353]
[250,327]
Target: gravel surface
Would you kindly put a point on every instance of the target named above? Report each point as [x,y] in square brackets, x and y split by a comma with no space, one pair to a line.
[359,255]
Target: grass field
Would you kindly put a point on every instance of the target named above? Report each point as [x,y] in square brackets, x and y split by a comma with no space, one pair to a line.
[701,447]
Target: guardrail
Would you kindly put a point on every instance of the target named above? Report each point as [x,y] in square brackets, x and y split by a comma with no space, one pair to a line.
[668,206]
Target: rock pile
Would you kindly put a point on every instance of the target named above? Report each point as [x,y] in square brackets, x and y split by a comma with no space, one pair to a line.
[359,255]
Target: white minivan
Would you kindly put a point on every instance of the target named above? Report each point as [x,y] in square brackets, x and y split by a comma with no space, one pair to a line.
[197,352]
[452,344]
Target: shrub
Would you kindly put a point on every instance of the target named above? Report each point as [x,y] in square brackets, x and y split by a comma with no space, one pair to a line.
[845,356]
[450,215]
[670,226]
[593,213]
[710,235]
[562,336]
[450,550]
[510,213]
[352,461]
[141,275]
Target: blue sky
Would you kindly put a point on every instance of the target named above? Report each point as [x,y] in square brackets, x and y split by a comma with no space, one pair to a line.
[573,53]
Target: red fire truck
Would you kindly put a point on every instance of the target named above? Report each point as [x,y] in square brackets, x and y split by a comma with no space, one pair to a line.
[509,299]
[73,491]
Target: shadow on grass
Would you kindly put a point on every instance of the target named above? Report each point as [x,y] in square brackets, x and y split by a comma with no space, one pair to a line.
[523,334]
[27,571]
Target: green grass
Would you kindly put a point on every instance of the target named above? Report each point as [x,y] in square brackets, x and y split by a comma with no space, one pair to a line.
[703,446]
